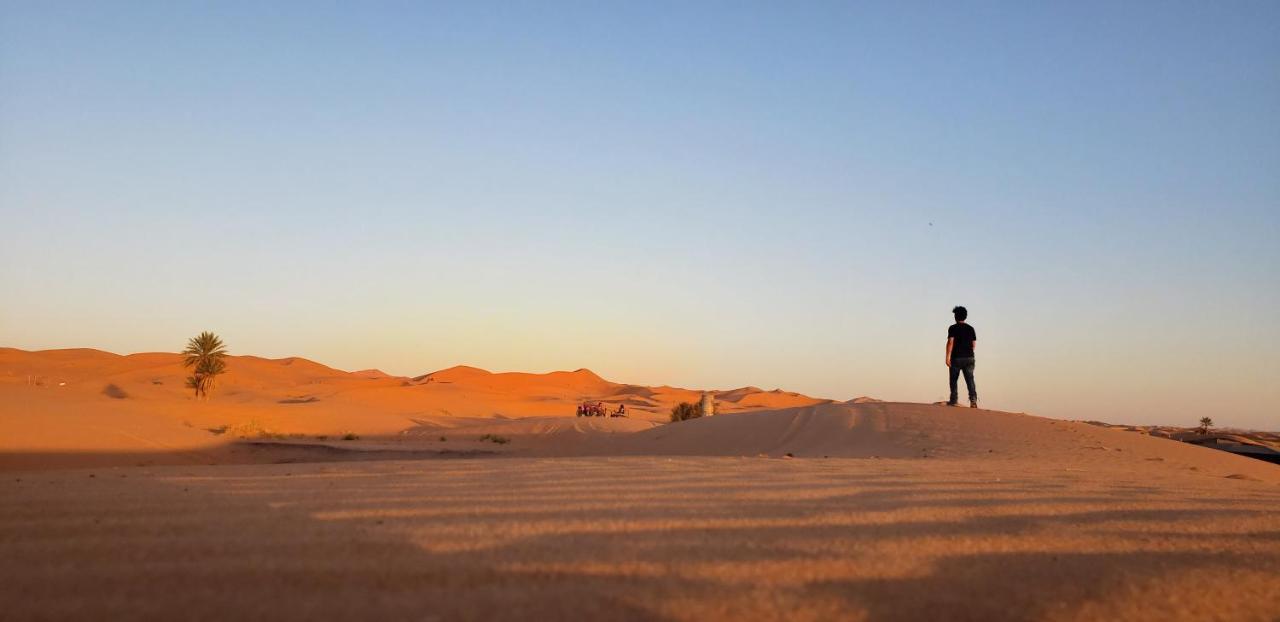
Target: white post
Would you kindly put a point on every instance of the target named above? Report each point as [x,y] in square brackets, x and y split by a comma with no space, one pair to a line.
[708,405]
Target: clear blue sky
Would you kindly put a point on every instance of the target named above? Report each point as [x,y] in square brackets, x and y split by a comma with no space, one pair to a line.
[698,194]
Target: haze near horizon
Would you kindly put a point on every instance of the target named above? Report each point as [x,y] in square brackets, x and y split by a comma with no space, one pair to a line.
[710,196]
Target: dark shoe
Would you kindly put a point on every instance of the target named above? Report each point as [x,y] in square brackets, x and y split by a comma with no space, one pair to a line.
[973,403]
[951,404]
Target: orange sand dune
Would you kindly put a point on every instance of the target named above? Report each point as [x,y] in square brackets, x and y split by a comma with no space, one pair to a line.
[84,407]
[89,401]
[865,430]
[457,391]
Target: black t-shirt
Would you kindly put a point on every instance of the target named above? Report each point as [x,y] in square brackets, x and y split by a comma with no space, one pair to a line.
[964,336]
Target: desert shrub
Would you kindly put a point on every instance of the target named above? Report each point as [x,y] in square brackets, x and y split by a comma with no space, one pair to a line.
[114,392]
[685,411]
[501,440]
[250,430]
[350,436]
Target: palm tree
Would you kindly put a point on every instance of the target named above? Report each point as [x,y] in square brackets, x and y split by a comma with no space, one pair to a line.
[205,353]
[1205,424]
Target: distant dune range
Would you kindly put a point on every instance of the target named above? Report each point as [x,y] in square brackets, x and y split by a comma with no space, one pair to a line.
[83,406]
[86,407]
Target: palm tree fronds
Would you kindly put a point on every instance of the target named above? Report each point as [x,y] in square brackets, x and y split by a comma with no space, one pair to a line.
[206,353]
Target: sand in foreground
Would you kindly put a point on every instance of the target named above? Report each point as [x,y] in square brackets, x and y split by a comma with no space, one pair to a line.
[644,538]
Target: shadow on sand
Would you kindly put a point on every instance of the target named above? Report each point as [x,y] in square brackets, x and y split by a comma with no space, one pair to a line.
[617,539]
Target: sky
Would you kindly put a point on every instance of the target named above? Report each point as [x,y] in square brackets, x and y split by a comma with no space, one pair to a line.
[700,194]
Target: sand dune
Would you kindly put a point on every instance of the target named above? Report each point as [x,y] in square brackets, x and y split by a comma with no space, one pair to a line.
[896,430]
[463,494]
[251,379]
[75,407]
[81,402]
[866,430]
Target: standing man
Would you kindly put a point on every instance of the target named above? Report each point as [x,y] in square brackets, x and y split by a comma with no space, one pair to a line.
[961,340]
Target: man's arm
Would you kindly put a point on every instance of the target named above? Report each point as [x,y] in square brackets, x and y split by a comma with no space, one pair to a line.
[951,341]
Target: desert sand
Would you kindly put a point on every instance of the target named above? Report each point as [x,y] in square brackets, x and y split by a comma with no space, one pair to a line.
[86,407]
[465,494]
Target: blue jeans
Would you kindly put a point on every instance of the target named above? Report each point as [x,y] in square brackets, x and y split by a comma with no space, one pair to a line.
[963,365]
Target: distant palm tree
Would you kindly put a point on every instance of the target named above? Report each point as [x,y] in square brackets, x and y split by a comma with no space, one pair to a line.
[205,353]
[1205,424]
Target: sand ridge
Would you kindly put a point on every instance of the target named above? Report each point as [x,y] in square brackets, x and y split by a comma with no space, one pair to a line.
[87,407]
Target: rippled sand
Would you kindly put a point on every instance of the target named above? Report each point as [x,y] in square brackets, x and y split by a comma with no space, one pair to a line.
[645,538]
